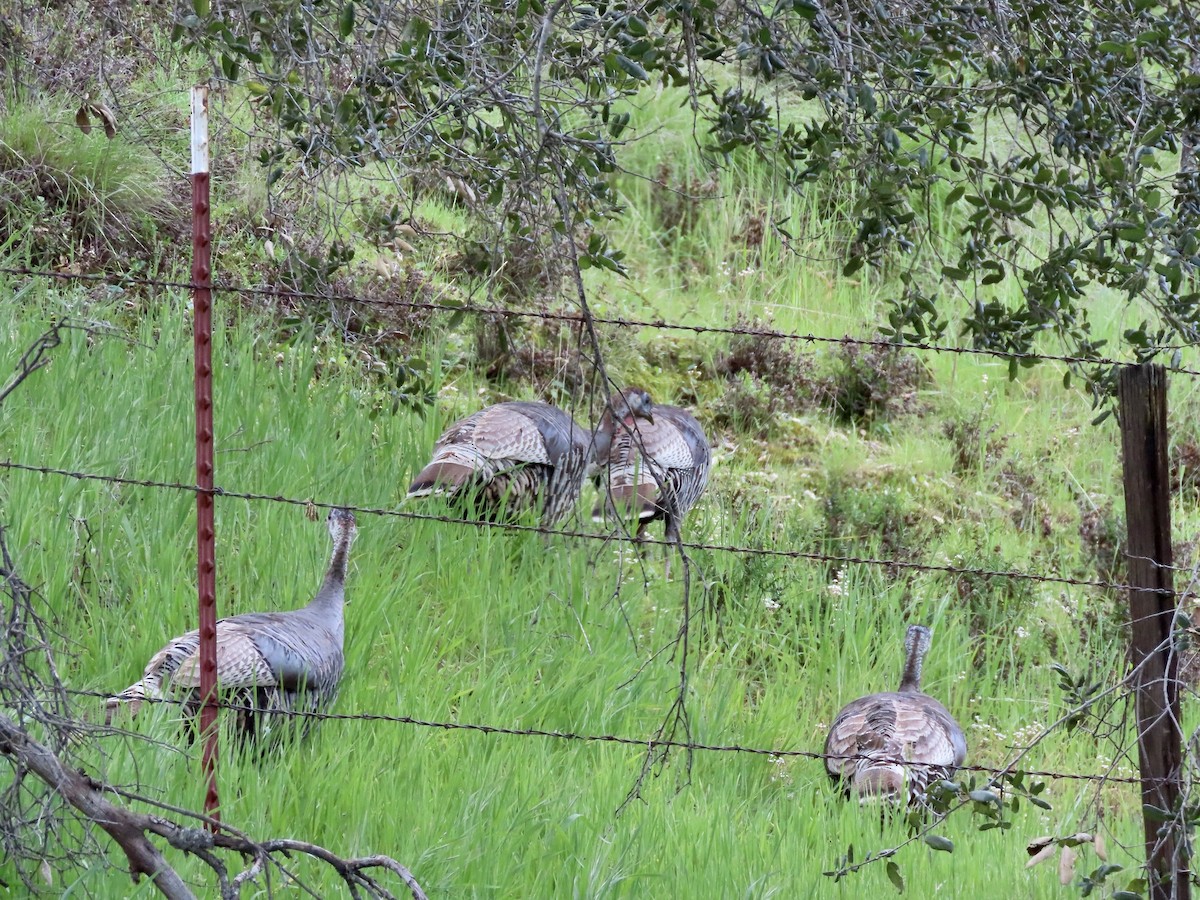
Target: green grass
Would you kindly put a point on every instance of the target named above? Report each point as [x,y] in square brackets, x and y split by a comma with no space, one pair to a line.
[459,625]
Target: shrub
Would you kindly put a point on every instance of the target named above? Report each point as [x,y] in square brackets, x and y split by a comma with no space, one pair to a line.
[973,445]
[765,378]
[875,382]
[67,198]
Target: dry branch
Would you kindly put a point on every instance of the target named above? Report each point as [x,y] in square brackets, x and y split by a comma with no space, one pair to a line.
[130,830]
[35,357]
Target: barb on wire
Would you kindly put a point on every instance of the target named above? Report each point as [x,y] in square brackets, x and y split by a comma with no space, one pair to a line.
[812,556]
[579,318]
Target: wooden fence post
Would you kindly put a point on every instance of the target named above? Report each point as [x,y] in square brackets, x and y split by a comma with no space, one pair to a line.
[1142,394]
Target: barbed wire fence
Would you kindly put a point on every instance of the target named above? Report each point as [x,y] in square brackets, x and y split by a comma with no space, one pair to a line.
[665,741]
[577,318]
[35,358]
[606,537]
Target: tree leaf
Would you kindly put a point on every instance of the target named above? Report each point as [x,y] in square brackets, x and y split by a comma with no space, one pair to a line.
[955,195]
[106,116]
[82,120]
[1041,855]
[1066,865]
[631,68]
[202,7]
[937,842]
[346,20]
[1154,814]
[994,277]
[894,876]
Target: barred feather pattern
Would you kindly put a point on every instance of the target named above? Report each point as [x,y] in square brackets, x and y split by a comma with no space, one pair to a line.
[893,745]
[288,661]
[661,465]
[508,458]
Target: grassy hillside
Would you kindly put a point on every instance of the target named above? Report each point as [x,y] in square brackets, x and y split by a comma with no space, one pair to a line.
[829,450]
[479,626]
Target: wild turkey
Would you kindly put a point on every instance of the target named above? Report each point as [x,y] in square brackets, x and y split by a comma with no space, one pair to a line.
[508,458]
[268,661]
[894,745]
[657,459]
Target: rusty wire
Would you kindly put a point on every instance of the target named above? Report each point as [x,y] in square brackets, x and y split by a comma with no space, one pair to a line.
[812,556]
[641,743]
[581,318]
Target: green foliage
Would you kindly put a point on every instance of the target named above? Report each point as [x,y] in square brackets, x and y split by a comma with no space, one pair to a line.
[928,171]
[1056,204]
[990,599]
[867,507]
[975,443]
[507,161]
[764,379]
[1080,691]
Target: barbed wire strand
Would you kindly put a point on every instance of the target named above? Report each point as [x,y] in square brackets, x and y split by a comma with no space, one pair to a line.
[509,731]
[812,556]
[579,318]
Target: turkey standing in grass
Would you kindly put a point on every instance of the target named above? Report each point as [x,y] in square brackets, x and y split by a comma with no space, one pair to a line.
[893,745]
[657,459]
[285,661]
[507,458]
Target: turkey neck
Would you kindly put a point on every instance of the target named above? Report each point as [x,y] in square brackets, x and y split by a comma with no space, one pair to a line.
[332,592]
[602,437]
[911,679]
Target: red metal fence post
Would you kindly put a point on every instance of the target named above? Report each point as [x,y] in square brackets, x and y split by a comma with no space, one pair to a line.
[205,530]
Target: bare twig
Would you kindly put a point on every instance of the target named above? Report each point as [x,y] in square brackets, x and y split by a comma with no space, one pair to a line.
[35,357]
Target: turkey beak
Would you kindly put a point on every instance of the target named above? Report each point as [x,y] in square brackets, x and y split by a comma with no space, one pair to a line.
[644,409]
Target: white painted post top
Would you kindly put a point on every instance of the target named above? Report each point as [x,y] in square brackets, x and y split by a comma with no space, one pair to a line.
[200,129]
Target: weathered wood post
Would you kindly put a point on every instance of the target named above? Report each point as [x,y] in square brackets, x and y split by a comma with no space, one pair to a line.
[1142,394]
